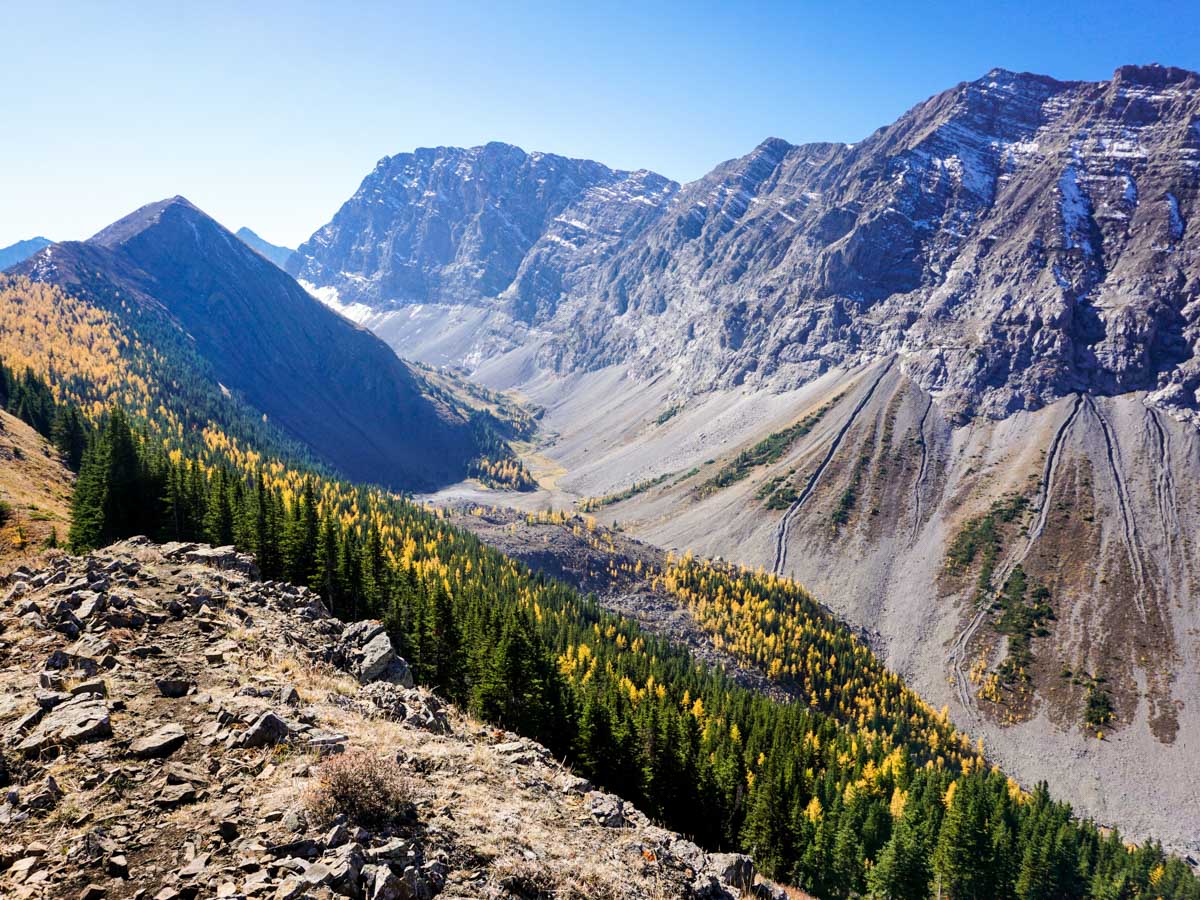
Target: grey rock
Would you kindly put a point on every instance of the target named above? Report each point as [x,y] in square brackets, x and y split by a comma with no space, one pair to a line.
[60,660]
[159,743]
[345,868]
[173,795]
[607,810]
[376,657]
[174,685]
[765,891]
[734,869]
[97,687]
[266,731]
[75,722]
[707,887]
[47,700]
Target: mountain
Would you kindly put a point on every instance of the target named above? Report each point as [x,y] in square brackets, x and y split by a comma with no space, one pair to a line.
[447,225]
[1011,215]
[21,251]
[945,376]
[333,387]
[276,254]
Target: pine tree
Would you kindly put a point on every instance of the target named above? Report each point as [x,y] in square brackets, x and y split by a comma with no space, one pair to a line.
[218,514]
[89,499]
[325,578]
[300,560]
[962,860]
[902,870]
[69,436]
[441,647]
[125,503]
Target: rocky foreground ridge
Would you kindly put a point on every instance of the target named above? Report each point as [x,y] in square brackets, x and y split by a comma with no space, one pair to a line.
[167,719]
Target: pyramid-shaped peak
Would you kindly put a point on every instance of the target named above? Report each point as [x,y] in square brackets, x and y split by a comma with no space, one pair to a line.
[143,218]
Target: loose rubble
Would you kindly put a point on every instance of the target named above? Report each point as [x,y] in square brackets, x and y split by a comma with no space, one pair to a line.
[163,712]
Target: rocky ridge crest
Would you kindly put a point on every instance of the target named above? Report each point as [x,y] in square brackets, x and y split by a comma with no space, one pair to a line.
[165,714]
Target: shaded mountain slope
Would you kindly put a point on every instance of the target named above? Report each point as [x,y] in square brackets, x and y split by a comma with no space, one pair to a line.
[273,252]
[328,384]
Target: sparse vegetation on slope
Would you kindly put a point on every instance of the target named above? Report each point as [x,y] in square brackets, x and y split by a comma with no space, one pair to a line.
[591,504]
[770,449]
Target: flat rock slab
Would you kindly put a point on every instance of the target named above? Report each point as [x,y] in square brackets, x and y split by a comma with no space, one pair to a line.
[160,743]
[173,795]
[68,724]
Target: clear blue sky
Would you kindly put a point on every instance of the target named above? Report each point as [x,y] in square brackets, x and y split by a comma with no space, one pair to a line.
[269,114]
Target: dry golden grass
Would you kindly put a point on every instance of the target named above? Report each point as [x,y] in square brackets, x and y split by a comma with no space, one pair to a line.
[37,487]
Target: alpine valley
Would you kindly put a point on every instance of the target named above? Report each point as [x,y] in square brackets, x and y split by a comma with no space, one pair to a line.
[899,371]
[821,527]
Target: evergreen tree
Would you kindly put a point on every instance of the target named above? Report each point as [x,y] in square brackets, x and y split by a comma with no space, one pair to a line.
[962,860]
[902,870]
[89,499]
[69,436]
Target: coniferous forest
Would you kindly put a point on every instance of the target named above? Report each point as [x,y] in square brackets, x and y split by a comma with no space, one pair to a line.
[897,807]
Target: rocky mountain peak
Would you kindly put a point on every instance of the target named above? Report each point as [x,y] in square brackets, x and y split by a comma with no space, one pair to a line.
[1153,75]
[147,217]
[455,225]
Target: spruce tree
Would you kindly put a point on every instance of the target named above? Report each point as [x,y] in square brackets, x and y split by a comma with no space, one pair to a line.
[88,501]
[902,870]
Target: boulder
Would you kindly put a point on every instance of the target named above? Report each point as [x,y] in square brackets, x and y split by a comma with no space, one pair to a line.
[607,810]
[734,869]
[160,743]
[266,731]
[367,653]
[75,722]
[173,795]
[174,685]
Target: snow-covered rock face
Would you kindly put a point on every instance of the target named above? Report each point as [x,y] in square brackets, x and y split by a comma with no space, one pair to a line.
[1015,238]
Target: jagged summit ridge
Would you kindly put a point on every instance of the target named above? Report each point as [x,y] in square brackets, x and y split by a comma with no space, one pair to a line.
[455,225]
[1015,238]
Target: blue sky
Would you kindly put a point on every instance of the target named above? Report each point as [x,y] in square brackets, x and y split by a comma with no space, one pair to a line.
[269,114]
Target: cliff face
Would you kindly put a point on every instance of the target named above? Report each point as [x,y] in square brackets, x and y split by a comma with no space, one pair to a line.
[1015,238]
[447,225]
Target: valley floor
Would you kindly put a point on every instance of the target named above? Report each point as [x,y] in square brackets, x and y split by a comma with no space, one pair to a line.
[1103,528]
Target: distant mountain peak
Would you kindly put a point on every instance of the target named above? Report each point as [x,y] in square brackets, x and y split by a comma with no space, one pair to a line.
[22,250]
[142,218]
[274,252]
